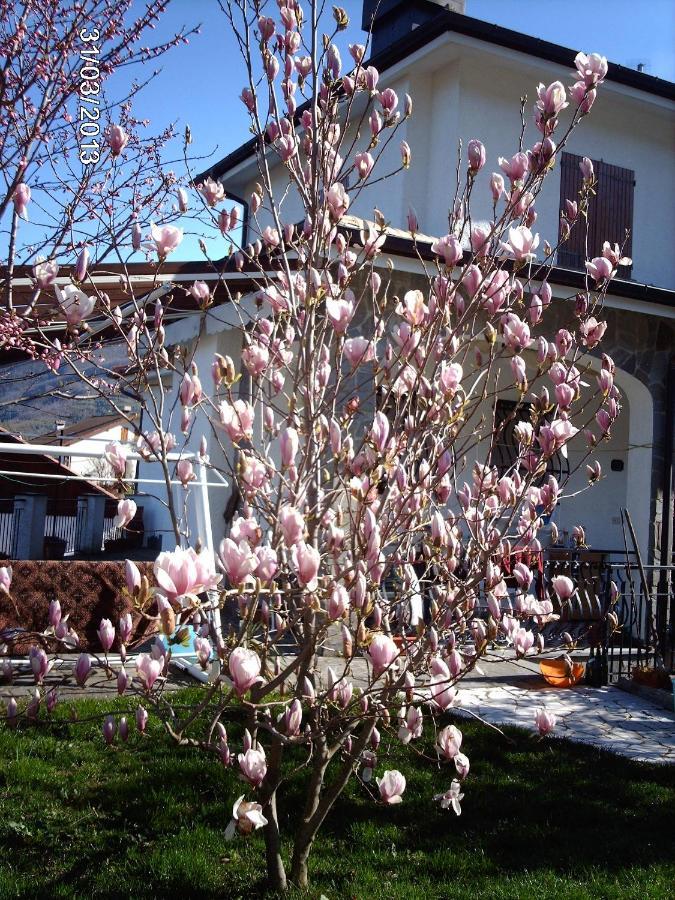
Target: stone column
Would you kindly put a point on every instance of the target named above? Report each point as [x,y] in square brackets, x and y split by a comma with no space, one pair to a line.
[30,511]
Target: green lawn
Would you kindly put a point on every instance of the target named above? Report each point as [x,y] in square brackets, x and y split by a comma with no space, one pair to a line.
[540,820]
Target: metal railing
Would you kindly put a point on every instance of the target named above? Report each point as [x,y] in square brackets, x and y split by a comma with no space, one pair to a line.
[646,618]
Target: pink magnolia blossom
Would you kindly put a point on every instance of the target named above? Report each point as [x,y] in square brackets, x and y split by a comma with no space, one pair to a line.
[5,579]
[254,473]
[306,560]
[413,308]
[184,573]
[116,457]
[338,602]
[39,663]
[141,719]
[116,138]
[600,268]
[200,291]
[82,669]
[337,200]
[521,243]
[382,652]
[126,510]
[552,99]
[44,272]
[292,524]
[592,68]
[523,640]
[106,634]
[516,167]
[54,613]
[82,264]
[289,442]
[253,765]
[292,718]
[363,163]
[132,577]
[497,186]
[372,241]
[554,436]
[237,419]
[212,191]
[267,563]
[411,725]
[563,586]
[391,786]
[449,741]
[148,669]
[21,199]
[583,96]
[441,691]
[462,765]
[592,332]
[586,167]
[476,153]
[109,729]
[406,154]
[256,358]
[246,816]
[182,198]
[203,651]
[340,311]
[358,350]
[185,472]
[165,238]
[451,798]
[75,304]
[516,332]
[449,248]
[238,560]
[450,377]
[545,721]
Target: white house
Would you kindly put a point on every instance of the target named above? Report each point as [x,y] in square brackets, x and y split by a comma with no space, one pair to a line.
[466,78]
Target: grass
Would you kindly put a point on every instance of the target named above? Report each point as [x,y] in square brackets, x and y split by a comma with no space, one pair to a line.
[542,819]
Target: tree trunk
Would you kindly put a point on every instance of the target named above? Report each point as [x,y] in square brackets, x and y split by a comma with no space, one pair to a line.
[312,822]
[276,873]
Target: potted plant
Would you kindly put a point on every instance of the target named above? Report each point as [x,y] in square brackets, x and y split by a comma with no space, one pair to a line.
[54,547]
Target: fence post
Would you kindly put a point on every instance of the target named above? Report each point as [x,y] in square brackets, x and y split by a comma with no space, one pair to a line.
[30,511]
[90,516]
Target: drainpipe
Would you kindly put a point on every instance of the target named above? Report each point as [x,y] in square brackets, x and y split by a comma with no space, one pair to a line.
[663,614]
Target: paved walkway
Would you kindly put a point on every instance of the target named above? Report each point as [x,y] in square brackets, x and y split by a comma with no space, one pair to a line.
[502,693]
[605,717]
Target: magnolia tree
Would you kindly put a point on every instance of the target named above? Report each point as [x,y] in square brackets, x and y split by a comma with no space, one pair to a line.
[358,430]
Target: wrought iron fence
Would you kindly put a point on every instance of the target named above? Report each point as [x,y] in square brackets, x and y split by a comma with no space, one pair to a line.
[646,616]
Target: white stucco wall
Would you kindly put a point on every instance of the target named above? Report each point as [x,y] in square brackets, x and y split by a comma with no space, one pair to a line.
[463,89]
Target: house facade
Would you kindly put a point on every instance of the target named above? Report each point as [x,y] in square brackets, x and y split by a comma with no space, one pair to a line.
[466,79]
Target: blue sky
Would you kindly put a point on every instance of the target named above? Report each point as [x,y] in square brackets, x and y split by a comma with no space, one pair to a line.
[199,83]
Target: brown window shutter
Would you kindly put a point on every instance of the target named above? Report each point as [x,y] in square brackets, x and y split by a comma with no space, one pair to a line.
[615,202]
[610,214]
[572,253]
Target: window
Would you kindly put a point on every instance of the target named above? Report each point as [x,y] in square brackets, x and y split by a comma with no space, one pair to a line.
[610,214]
[507,415]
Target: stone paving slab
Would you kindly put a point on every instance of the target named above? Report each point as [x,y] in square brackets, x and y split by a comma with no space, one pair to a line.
[604,717]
